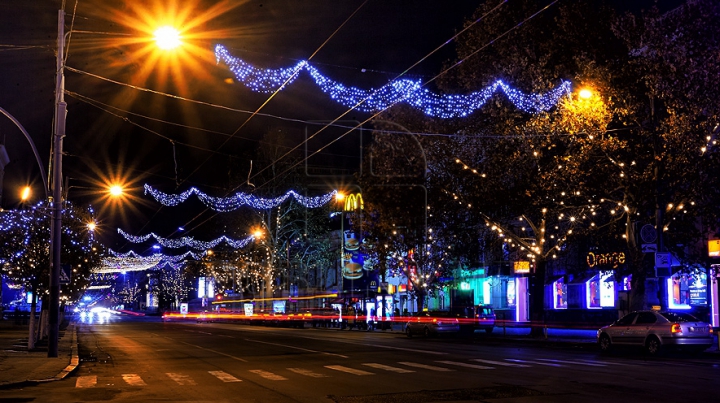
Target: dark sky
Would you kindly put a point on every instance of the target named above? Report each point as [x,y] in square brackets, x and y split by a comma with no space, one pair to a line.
[170,151]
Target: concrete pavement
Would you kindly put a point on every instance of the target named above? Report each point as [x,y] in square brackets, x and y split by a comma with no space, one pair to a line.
[18,366]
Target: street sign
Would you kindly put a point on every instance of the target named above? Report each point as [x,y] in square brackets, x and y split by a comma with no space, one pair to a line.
[648,233]
[662,260]
[65,273]
[184,308]
[649,248]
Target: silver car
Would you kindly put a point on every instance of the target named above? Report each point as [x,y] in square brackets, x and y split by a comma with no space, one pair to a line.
[655,330]
[432,323]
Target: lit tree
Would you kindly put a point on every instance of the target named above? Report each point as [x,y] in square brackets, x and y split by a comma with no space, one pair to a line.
[638,150]
[25,252]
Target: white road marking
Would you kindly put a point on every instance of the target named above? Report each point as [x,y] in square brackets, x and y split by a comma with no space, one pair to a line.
[535,362]
[424,366]
[224,376]
[268,375]
[296,348]
[389,368]
[307,372]
[87,381]
[349,370]
[211,350]
[503,363]
[592,364]
[133,380]
[181,379]
[466,365]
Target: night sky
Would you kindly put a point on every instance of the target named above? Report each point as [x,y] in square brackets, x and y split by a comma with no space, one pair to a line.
[173,144]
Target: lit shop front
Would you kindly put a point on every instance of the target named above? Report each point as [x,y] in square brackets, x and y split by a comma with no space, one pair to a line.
[591,296]
[508,292]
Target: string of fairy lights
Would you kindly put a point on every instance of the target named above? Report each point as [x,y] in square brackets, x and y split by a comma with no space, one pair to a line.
[188,241]
[587,212]
[411,92]
[240,199]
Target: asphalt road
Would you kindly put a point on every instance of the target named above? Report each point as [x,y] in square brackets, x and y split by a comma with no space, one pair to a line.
[145,360]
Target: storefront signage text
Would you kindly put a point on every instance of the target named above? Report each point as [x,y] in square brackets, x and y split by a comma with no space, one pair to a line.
[613,259]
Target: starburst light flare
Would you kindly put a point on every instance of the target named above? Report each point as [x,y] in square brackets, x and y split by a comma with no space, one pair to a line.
[231,203]
[405,90]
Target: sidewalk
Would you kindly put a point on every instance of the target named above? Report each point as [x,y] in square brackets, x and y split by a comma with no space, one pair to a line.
[18,366]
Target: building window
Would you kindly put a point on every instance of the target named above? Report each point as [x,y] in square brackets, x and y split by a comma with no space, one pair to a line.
[560,294]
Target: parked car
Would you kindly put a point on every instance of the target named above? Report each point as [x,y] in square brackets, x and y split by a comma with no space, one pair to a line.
[655,330]
[432,323]
[484,318]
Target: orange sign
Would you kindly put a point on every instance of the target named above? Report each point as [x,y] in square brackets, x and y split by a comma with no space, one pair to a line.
[714,248]
[522,266]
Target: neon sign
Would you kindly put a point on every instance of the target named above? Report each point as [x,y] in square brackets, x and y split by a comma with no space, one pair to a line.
[354,202]
[613,259]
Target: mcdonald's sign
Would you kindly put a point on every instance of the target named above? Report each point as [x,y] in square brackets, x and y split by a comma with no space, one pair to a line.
[354,202]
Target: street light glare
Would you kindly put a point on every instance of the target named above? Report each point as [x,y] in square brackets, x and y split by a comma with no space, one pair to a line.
[116,190]
[585,93]
[339,196]
[25,194]
[167,38]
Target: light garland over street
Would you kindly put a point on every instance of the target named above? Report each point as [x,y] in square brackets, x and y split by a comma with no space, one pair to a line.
[412,92]
[231,203]
[188,241]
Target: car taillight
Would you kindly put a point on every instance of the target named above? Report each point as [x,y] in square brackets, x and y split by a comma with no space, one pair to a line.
[676,328]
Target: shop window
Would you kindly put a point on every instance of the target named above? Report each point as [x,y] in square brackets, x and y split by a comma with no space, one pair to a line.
[687,289]
[560,293]
[626,284]
[600,291]
[511,294]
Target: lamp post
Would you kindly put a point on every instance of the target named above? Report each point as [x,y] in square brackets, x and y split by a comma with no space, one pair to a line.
[56,224]
[340,197]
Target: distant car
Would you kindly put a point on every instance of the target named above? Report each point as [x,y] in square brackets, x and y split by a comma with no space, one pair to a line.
[655,330]
[484,318]
[432,323]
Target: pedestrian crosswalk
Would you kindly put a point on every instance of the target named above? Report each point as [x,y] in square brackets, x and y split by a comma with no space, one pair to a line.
[362,369]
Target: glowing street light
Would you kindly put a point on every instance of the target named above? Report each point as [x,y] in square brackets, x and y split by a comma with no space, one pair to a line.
[116,190]
[167,38]
[585,93]
[25,193]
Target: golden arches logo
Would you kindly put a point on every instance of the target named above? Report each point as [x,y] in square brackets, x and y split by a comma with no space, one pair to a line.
[354,202]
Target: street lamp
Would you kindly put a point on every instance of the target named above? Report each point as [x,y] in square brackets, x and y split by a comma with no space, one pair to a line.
[116,190]
[25,194]
[167,38]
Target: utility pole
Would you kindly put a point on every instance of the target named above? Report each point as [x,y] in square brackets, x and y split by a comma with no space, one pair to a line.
[56,225]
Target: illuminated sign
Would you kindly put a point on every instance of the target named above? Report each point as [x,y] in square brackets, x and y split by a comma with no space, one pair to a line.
[354,202]
[613,259]
[522,266]
[464,286]
[714,248]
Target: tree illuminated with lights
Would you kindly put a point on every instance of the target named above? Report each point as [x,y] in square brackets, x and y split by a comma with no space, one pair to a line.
[638,148]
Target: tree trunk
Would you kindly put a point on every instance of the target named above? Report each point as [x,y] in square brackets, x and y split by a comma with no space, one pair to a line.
[537,300]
